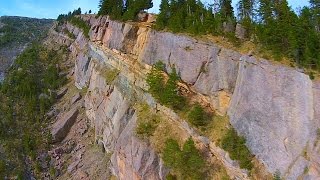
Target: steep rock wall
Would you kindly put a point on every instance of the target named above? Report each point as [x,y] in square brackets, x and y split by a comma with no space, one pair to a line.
[110,111]
[272,106]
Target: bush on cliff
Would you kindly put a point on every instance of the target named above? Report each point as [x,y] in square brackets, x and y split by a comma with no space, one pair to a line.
[187,163]
[147,121]
[165,91]
[198,116]
[236,146]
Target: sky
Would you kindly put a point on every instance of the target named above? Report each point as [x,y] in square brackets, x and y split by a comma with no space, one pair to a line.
[52,8]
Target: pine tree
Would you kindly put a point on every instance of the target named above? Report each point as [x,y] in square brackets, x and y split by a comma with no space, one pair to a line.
[133,7]
[226,10]
[265,11]
[315,8]
[246,9]
[164,15]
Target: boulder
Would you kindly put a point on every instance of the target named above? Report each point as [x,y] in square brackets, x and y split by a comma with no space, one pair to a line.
[152,18]
[62,127]
[53,113]
[62,92]
[143,16]
[75,98]
[43,96]
[241,32]
[228,27]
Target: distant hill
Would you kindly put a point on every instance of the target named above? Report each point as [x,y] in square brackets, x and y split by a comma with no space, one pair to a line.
[15,34]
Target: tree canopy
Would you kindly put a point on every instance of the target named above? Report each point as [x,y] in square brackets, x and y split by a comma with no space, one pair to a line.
[123,10]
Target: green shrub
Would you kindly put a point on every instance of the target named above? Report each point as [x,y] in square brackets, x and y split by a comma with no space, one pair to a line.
[311,75]
[236,146]
[187,162]
[52,172]
[147,121]
[198,116]
[69,34]
[171,177]
[277,175]
[166,92]
[2,168]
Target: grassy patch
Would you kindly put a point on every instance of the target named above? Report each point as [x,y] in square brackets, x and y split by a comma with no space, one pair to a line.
[217,128]
[110,74]
[147,121]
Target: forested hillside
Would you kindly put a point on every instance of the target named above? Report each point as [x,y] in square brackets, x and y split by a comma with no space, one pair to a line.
[19,30]
[15,34]
[25,96]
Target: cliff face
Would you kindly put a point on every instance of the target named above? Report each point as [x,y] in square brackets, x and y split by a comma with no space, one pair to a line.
[276,108]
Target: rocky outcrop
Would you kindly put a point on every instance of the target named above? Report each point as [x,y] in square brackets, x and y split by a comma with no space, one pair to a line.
[61,128]
[274,107]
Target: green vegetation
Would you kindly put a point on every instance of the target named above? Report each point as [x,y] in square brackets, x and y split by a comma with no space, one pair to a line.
[277,175]
[110,74]
[187,163]
[65,17]
[147,121]
[80,23]
[236,146]
[193,17]
[69,34]
[123,10]
[198,116]
[25,95]
[272,24]
[73,18]
[165,91]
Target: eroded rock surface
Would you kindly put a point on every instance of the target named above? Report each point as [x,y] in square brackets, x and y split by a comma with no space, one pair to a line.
[61,128]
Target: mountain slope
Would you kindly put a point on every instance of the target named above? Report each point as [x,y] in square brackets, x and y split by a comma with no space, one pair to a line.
[16,33]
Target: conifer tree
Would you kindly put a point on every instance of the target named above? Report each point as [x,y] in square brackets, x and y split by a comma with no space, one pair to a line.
[315,8]
[226,10]
[164,15]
